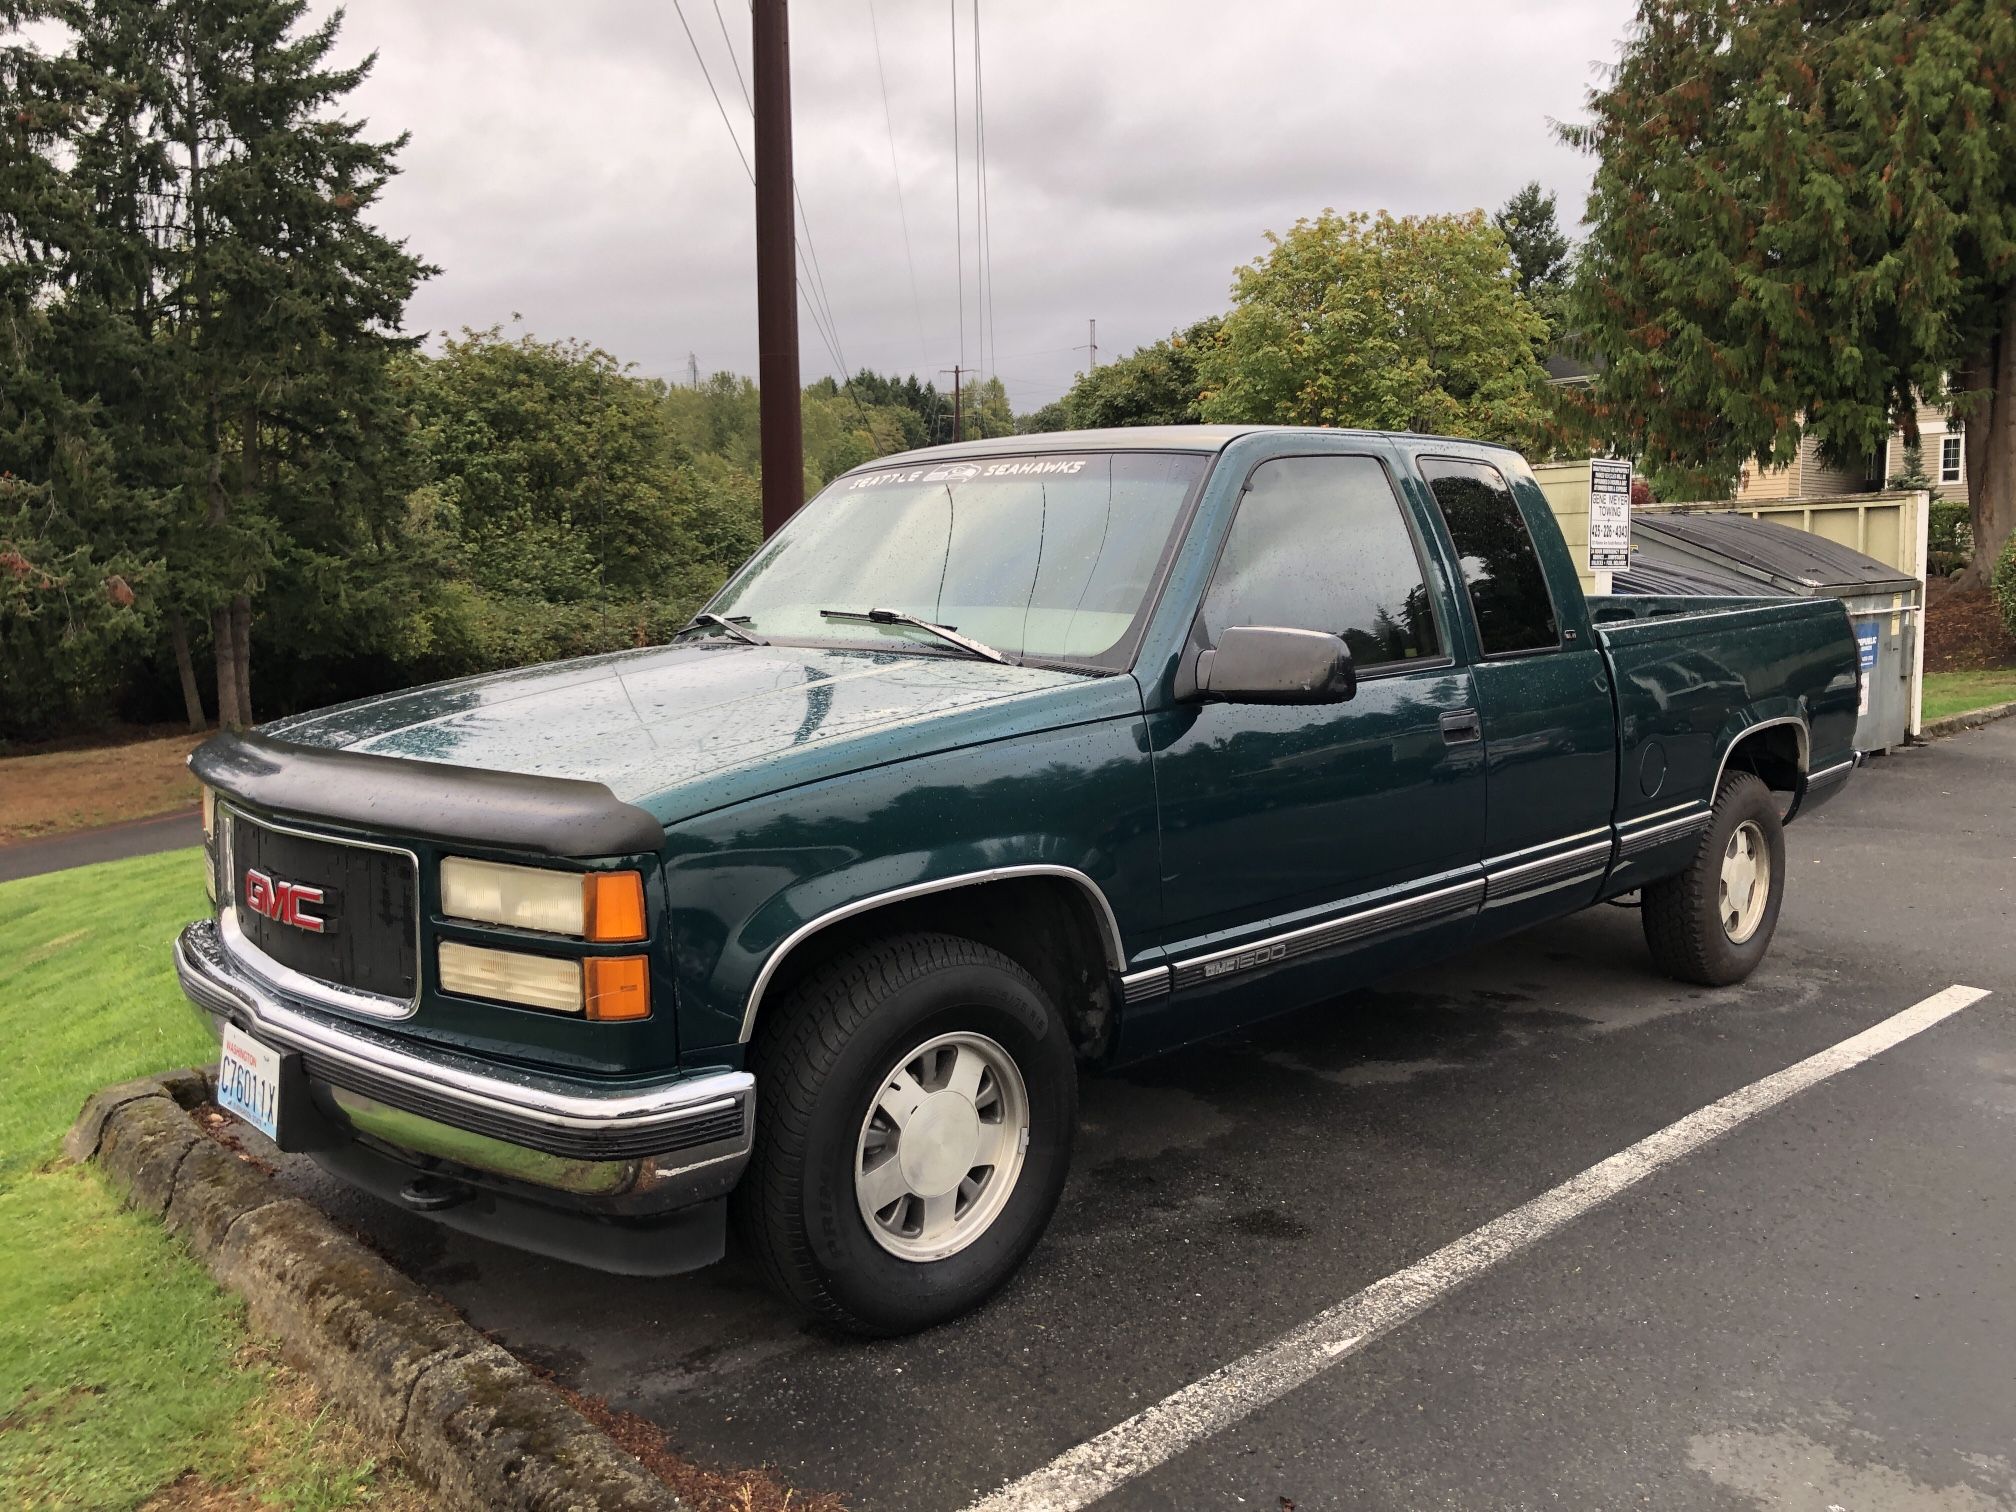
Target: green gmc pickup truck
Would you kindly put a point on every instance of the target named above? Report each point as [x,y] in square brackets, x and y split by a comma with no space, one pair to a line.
[1000,758]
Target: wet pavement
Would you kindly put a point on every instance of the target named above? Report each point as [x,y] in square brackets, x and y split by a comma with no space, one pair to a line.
[1819,1311]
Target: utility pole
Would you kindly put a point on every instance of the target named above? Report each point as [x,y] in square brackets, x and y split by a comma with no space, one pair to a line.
[783,448]
[1092,340]
[958,402]
[693,370]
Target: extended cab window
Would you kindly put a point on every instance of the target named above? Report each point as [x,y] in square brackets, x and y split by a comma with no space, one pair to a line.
[1501,569]
[1320,544]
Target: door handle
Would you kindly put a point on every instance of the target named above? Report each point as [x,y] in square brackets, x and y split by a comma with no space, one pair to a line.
[1462,727]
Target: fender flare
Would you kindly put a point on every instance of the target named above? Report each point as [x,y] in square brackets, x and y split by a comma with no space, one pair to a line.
[1109,924]
[1744,732]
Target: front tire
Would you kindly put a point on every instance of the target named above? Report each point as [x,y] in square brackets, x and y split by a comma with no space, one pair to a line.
[1712,924]
[915,1104]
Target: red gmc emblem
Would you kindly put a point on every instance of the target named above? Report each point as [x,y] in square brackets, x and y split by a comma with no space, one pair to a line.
[284,902]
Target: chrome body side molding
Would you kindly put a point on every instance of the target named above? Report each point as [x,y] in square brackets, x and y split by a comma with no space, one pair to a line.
[1657,829]
[1350,928]
[1140,986]
[1585,863]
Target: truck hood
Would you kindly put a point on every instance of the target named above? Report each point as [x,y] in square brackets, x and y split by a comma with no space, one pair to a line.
[678,730]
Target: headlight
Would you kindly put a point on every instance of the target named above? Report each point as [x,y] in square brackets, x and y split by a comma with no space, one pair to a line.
[602,988]
[599,906]
[509,975]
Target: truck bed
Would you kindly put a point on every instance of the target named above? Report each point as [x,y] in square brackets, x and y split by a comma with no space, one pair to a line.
[1688,673]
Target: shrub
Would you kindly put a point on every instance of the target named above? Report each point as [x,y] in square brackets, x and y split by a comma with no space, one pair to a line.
[1952,529]
[2003,584]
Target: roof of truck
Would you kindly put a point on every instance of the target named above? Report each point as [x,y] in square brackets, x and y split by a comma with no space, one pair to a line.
[1195,438]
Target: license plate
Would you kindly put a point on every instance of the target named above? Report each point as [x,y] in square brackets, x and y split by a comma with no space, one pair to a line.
[248,1081]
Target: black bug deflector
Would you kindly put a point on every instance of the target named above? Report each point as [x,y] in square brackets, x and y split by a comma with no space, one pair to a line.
[541,816]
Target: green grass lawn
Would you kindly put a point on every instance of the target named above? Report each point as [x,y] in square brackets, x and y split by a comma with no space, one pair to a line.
[1962,692]
[122,1366]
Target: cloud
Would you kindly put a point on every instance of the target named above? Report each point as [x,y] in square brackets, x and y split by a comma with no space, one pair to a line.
[568,163]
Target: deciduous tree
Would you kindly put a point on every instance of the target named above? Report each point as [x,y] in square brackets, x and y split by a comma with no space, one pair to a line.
[1158,384]
[1390,323]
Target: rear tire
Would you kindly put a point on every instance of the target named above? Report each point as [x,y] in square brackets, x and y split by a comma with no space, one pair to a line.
[1712,924]
[849,1222]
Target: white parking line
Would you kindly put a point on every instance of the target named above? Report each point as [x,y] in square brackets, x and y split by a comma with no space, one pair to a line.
[1080,1476]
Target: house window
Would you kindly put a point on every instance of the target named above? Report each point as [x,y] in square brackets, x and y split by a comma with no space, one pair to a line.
[1951,462]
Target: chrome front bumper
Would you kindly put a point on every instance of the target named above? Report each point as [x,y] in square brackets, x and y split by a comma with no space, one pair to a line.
[625,1152]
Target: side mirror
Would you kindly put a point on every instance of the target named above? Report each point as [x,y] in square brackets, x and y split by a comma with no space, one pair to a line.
[1265,664]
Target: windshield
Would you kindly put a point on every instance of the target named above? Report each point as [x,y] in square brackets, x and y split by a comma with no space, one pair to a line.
[1050,556]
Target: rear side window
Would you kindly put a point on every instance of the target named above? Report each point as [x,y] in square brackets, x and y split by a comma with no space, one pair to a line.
[1501,569]
[1320,544]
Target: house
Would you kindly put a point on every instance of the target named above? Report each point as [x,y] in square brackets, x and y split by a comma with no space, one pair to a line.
[1808,476]
[1943,446]
[1941,442]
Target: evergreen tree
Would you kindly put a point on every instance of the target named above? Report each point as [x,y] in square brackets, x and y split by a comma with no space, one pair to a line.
[287,305]
[1534,238]
[1542,255]
[80,524]
[1804,218]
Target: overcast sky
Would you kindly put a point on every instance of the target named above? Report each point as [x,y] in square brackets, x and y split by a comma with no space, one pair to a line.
[568,164]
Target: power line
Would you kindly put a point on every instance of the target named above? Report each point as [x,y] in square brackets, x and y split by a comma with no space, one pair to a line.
[821,306]
[733,62]
[832,346]
[693,43]
[823,309]
[903,215]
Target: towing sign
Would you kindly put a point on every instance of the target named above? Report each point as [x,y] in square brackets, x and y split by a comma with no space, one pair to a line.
[1609,515]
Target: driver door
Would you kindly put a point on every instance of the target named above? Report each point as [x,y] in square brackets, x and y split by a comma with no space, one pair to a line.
[1292,833]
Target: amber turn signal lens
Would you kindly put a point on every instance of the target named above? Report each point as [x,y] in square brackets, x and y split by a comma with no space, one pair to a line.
[614,903]
[619,987]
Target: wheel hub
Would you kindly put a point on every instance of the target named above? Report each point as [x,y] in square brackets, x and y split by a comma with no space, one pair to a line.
[940,1144]
[1745,883]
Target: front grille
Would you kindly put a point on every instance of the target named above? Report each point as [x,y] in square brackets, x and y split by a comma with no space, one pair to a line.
[574,1144]
[367,909]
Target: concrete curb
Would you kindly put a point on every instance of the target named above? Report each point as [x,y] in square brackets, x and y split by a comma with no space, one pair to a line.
[1932,729]
[472,1422]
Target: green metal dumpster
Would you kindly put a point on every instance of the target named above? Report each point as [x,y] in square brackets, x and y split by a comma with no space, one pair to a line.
[1885,605]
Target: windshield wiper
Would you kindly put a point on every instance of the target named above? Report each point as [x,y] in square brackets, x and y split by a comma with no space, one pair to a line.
[723,622]
[896,617]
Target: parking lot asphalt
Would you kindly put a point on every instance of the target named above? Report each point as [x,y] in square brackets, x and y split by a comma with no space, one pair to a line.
[1816,1311]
